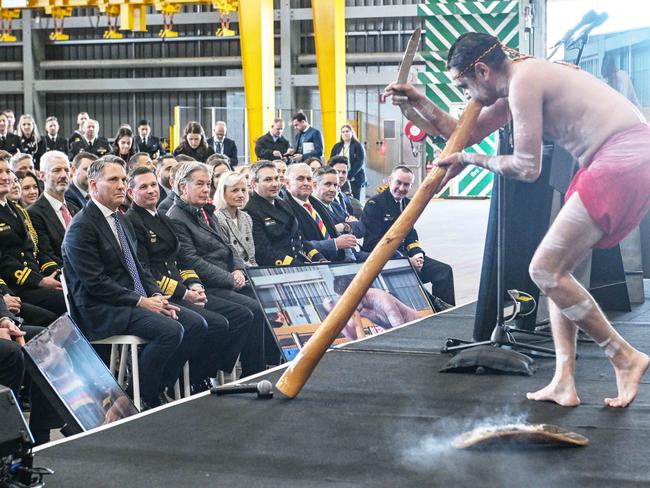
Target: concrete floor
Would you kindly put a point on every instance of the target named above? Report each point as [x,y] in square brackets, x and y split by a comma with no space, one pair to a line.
[453,231]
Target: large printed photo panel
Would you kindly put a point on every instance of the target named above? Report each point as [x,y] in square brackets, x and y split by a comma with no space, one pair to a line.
[297,299]
[74,379]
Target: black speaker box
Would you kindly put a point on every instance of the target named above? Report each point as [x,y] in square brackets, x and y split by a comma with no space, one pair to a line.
[15,437]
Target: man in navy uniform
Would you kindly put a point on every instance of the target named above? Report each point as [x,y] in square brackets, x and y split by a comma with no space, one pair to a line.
[53,140]
[32,280]
[91,142]
[379,214]
[145,142]
[158,249]
[276,232]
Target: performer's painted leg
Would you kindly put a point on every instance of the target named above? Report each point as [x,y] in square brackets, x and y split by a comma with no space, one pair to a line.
[568,240]
[562,388]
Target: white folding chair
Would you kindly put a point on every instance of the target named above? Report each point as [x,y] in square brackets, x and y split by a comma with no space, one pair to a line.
[129,342]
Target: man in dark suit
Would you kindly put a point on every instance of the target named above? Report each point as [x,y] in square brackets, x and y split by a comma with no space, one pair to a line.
[325,190]
[164,167]
[90,142]
[309,141]
[9,141]
[221,144]
[78,191]
[207,251]
[276,232]
[379,214]
[344,197]
[316,225]
[272,145]
[51,214]
[33,281]
[54,141]
[112,294]
[158,250]
[145,142]
[165,204]
[342,207]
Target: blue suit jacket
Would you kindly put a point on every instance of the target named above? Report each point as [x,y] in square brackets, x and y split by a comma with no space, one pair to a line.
[74,195]
[310,135]
[100,288]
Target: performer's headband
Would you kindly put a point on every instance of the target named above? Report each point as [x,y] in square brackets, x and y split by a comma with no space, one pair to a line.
[473,63]
[513,52]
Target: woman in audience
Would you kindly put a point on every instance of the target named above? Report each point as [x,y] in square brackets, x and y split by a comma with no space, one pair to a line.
[230,198]
[30,140]
[14,188]
[350,147]
[123,145]
[194,143]
[220,164]
[314,163]
[29,189]
[245,171]
[16,195]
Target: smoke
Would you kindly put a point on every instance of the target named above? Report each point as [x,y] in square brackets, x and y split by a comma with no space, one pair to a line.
[431,450]
[427,451]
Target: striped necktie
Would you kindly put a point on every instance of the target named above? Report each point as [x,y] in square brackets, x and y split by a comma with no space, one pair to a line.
[127,256]
[317,219]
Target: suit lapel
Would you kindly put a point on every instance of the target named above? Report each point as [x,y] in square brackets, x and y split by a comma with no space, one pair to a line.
[51,218]
[104,227]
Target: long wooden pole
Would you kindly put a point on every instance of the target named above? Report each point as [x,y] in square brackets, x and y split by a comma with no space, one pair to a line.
[301,368]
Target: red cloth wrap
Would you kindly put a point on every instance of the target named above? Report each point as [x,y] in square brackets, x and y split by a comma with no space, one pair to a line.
[615,186]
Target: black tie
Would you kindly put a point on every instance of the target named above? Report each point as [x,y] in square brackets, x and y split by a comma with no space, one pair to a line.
[218,148]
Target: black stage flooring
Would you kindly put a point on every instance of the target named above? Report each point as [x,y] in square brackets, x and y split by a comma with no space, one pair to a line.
[376,413]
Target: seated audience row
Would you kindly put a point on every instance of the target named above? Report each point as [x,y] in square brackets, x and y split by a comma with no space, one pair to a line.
[161,251]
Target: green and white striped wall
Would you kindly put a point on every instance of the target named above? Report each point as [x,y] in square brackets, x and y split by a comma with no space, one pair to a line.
[444,21]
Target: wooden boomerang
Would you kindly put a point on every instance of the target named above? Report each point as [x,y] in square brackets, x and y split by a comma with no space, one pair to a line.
[404,68]
[518,434]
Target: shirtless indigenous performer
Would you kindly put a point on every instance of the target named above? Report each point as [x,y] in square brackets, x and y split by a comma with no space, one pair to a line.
[607,198]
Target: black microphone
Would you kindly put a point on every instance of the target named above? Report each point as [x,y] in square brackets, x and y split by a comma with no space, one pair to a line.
[264,389]
[589,18]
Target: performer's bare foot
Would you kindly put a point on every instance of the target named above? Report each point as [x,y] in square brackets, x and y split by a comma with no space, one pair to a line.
[561,392]
[628,378]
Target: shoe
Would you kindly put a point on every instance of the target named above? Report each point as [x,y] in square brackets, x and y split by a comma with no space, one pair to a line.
[149,403]
[201,386]
[440,305]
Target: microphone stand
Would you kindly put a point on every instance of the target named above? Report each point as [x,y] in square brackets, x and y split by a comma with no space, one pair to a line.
[580,42]
[502,333]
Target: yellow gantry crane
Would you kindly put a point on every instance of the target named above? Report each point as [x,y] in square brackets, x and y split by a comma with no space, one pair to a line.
[256,30]
[122,15]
